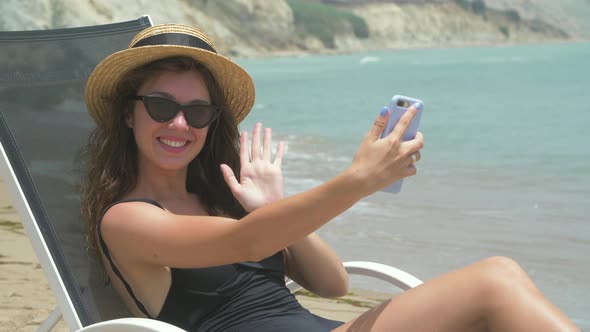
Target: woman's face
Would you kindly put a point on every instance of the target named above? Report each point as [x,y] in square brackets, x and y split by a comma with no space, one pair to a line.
[169,145]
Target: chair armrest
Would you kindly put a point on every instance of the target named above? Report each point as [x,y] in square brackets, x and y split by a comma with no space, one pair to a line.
[384,272]
[131,325]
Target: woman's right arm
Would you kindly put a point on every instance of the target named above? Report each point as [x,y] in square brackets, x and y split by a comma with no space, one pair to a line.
[141,232]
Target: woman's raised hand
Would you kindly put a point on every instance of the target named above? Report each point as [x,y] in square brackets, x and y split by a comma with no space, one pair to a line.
[261,180]
[381,162]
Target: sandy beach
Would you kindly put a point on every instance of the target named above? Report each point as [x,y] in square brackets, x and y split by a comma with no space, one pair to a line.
[26,299]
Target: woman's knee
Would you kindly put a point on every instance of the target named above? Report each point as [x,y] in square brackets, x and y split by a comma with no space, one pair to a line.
[503,273]
[503,265]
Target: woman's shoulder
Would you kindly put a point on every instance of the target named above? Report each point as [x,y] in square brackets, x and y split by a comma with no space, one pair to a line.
[128,219]
[124,202]
[141,200]
[125,208]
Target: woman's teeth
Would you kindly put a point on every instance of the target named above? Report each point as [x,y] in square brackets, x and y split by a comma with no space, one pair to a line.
[174,144]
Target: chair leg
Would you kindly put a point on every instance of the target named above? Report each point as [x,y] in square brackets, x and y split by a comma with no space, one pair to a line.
[50,322]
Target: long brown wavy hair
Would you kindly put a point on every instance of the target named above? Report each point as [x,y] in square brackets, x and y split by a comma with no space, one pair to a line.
[110,159]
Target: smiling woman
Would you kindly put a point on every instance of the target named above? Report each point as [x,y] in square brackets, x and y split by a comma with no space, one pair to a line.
[192,226]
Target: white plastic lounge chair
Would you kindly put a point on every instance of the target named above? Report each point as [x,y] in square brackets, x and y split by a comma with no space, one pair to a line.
[43,124]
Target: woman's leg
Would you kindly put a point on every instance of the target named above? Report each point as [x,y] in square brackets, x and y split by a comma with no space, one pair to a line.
[492,295]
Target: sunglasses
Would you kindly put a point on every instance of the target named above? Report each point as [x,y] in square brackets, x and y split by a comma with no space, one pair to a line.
[197,114]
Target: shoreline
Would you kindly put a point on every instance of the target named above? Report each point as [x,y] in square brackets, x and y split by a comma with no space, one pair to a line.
[450,45]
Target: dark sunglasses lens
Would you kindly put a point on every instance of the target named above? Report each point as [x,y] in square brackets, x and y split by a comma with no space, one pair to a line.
[200,116]
[160,109]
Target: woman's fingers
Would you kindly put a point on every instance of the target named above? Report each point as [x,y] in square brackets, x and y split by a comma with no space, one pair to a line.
[403,123]
[419,138]
[230,178]
[267,144]
[258,152]
[412,148]
[280,153]
[413,158]
[414,145]
[244,151]
[256,141]
[389,159]
[379,124]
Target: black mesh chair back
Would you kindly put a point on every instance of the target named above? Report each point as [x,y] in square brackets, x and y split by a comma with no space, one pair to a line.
[43,125]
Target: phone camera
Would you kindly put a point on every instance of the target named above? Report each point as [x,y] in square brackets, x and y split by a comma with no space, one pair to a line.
[402,103]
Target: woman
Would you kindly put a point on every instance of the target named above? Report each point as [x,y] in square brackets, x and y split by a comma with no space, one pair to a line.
[193,229]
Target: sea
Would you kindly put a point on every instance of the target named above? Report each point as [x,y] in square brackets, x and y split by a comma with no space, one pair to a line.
[505,169]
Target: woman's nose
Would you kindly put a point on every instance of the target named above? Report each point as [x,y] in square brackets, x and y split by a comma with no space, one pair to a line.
[179,121]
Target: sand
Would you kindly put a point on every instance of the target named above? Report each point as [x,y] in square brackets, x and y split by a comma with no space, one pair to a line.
[26,299]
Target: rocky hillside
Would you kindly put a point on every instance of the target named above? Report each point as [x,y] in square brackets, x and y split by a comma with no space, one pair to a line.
[570,15]
[270,27]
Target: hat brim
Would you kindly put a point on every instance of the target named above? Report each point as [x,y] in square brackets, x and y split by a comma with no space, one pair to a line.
[236,83]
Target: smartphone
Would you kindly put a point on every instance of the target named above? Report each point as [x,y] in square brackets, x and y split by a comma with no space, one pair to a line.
[397,107]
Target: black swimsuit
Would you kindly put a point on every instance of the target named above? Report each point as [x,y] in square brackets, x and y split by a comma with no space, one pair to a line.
[247,296]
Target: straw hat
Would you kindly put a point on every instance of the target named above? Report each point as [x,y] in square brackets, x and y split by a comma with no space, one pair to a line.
[162,41]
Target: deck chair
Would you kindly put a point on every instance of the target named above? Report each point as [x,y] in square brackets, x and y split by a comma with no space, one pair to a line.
[43,124]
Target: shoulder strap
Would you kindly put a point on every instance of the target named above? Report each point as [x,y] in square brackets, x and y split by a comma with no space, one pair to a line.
[106,253]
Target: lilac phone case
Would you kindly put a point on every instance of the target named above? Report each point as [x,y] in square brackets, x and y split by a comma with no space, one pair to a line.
[396,114]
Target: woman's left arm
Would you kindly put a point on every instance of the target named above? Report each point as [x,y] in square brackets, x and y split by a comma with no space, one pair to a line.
[315,266]
[310,262]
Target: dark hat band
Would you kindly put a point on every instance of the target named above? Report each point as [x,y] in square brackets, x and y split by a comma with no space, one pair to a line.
[178,39]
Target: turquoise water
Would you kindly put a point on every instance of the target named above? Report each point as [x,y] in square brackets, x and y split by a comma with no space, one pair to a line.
[505,168]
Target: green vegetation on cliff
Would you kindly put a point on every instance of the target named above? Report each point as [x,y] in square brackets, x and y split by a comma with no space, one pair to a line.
[325,21]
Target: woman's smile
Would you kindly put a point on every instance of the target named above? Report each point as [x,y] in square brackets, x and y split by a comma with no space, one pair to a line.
[173,144]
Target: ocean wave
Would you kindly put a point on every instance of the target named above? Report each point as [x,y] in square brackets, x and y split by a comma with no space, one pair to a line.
[369,59]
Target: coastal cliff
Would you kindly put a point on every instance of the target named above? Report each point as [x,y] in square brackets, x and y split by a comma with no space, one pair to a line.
[274,27]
